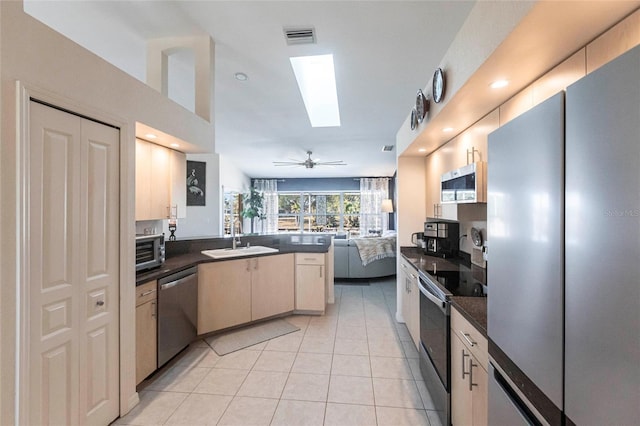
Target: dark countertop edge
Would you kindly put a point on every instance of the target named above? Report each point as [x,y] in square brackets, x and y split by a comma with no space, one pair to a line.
[177,263]
[474,309]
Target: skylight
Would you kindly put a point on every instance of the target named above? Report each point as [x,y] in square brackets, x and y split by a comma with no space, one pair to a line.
[317,83]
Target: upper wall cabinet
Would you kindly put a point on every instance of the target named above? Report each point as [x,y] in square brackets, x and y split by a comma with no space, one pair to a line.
[468,147]
[160,181]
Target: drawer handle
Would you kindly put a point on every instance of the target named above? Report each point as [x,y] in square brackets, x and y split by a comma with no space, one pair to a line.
[471,366]
[310,258]
[464,355]
[146,293]
[467,337]
[403,265]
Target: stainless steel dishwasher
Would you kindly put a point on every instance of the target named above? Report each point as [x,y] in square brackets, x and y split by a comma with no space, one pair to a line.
[177,313]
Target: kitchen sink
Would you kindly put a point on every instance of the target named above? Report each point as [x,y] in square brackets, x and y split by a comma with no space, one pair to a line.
[238,252]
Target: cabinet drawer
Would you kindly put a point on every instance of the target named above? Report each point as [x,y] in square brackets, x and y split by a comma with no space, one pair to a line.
[309,258]
[408,267]
[146,292]
[475,342]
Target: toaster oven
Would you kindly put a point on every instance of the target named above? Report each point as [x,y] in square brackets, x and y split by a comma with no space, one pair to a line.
[149,251]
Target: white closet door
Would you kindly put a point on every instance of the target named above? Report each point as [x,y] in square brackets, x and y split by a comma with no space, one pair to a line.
[73,262]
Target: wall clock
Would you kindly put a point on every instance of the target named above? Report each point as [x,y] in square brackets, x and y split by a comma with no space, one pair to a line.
[438,85]
[414,118]
[422,106]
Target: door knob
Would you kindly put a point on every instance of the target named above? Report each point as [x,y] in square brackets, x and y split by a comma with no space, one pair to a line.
[100,302]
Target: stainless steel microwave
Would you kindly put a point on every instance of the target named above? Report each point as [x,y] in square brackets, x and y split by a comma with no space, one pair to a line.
[467,184]
[149,251]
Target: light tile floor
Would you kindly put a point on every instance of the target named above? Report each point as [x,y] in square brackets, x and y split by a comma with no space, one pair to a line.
[353,366]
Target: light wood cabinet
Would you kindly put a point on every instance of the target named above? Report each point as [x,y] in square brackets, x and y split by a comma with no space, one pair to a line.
[330,273]
[146,330]
[310,282]
[414,310]
[469,360]
[160,181]
[411,300]
[177,179]
[238,291]
[224,294]
[272,285]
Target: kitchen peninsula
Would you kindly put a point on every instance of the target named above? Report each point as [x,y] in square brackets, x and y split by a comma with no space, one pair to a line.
[293,273]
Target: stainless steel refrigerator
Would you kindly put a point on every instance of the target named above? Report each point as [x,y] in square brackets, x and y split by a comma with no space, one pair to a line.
[564,256]
[602,260]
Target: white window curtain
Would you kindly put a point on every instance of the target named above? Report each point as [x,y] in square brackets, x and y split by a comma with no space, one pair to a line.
[269,190]
[372,192]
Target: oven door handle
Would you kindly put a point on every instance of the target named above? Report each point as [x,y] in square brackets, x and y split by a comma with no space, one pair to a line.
[437,301]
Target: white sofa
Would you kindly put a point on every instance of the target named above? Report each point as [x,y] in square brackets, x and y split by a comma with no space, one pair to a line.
[347,262]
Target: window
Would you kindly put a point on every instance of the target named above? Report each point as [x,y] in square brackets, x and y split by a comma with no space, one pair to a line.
[289,212]
[319,212]
[232,209]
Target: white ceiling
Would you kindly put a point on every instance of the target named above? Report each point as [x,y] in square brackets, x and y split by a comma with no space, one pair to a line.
[384,51]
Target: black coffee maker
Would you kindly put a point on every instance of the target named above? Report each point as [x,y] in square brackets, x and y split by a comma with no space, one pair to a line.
[441,237]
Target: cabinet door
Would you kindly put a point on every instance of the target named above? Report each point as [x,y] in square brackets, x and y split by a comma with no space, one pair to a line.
[414,310]
[461,402]
[152,181]
[178,169]
[479,400]
[402,283]
[160,185]
[146,340]
[272,285]
[310,287]
[330,274]
[224,294]
[143,180]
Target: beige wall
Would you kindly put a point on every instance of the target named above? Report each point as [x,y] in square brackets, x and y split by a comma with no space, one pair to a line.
[63,73]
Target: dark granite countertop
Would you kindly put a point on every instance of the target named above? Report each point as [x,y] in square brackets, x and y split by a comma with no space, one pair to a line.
[184,254]
[474,309]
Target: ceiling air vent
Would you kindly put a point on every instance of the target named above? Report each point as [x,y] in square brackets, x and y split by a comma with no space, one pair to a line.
[300,35]
[387,148]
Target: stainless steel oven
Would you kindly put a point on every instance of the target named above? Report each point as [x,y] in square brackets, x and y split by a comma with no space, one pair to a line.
[435,344]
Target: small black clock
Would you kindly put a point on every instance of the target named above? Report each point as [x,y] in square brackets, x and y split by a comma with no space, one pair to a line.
[438,85]
[422,106]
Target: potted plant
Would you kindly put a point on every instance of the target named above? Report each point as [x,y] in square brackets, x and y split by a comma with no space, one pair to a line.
[253,203]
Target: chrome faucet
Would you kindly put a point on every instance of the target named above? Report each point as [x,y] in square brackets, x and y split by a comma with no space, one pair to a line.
[234,242]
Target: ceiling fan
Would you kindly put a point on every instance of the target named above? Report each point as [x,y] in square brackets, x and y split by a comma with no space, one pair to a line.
[309,163]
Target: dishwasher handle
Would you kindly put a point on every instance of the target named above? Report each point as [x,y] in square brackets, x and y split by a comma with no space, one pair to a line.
[177,278]
[175,283]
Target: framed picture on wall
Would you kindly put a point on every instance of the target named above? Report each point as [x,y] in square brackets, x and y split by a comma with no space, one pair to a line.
[196,183]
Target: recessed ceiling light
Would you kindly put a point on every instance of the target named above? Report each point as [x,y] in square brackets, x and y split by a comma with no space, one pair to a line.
[316,79]
[422,150]
[498,84]
[175,145]
[150,136]
[240,76]
[447,129]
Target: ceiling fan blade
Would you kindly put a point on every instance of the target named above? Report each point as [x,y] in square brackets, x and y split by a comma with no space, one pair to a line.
[288,164]
[331,163]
